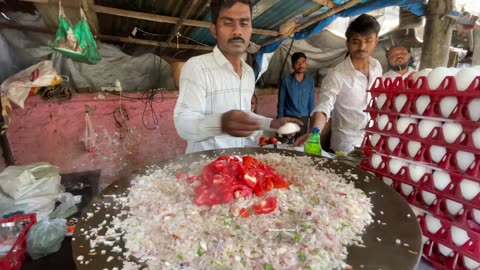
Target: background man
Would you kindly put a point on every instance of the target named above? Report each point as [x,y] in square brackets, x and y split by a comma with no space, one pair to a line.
[296,96]
[343,94]
[213,106]
[399,61]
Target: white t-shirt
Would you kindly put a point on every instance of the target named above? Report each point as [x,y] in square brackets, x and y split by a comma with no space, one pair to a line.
[210,87]
[344,97]
[393,74]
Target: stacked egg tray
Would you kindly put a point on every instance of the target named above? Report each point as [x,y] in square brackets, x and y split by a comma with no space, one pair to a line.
[435,170]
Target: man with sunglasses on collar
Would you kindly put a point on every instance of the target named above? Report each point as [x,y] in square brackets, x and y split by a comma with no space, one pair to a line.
[399,60]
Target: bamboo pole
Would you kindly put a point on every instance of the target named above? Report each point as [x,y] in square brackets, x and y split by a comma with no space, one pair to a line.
[150,17]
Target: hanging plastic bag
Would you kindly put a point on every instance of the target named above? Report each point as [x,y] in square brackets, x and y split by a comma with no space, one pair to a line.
[46,237]
[89,137]
[27,82]
[76,41]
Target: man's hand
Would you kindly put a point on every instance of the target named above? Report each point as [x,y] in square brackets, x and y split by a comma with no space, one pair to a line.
[277,123]
[238,124]
[301,140]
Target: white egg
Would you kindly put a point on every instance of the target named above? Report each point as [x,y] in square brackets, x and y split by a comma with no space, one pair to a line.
[433,224]
[406,189]
[374,138]
[469,189]
[416,172]
[465,77]
[474,109]
[422,103]
[437,153]
[381,100]
[451,131]
[459,236]
[436,77]
[476,215]
[387,180]
[425,127]
[453,207]
[476,138]
[375,160]
[400,101]
[382,121]
[395,165]
[428,197]
[470,263]
[445,250]
[413,147]
[403,123]
[392,143]
[447,105]
[288,128]
[422,73]
[441,180]
[424,240]
[454,71]
[464,160]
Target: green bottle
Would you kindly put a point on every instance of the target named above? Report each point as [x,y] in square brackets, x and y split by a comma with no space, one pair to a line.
[313,145]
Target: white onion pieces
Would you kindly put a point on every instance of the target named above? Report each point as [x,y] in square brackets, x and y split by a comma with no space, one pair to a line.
[313,224]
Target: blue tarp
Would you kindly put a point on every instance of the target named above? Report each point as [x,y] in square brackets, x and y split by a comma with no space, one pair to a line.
[417,7]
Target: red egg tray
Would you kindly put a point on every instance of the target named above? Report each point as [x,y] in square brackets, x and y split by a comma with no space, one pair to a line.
[441,262]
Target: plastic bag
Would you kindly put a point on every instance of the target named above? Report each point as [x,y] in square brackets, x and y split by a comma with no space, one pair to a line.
[66,208]
[29,181]
[45,237]
[75,41]
[18,87]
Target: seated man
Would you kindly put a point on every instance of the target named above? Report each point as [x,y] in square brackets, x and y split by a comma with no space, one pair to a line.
[399,60]
[296,96]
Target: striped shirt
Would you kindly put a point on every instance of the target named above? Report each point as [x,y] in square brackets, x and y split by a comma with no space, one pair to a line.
[344,97]
[210,87]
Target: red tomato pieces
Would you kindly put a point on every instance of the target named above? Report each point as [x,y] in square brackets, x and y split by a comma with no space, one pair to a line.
[230,177]
[244,212]
[265,206]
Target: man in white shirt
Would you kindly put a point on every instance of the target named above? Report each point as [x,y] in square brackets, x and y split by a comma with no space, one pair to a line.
[398,59]
[343,94]
[213,109]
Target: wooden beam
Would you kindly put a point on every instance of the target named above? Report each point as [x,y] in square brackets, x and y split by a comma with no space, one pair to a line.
[113,38]
[185,14]
[151,17]
[316,19]
[154,43]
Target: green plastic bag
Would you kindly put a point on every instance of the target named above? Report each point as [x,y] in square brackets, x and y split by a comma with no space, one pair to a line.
[76,42]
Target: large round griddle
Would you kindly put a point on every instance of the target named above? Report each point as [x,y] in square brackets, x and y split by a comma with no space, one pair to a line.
[381,250]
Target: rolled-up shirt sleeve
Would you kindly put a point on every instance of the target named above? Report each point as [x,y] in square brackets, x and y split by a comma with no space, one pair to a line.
[328,94]
[190,119]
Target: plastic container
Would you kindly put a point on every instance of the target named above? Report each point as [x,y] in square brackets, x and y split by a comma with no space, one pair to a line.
[313,145]
[16,256]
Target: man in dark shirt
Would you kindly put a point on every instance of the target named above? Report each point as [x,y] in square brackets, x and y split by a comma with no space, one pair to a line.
[296,96]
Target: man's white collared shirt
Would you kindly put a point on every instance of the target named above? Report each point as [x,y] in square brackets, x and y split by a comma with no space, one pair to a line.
[210,87]
[393,74]
[343,98]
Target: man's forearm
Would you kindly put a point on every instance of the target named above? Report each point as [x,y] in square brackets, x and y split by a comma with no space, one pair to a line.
[318,120]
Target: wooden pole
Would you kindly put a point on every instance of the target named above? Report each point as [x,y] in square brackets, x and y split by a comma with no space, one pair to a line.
[438,34]
[316,19]
[185,14]
[113,38]
[151,17]
[476,47]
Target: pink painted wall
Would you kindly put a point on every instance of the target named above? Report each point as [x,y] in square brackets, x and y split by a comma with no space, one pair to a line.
[52,132]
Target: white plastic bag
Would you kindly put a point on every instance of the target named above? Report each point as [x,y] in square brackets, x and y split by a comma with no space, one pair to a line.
[67,206]
[18,86]
[31,189]
[46,237]
[29,181]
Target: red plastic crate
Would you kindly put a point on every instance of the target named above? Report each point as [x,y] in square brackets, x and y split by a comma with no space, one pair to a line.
[15,257]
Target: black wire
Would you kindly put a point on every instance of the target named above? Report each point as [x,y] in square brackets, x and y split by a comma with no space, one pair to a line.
[148,98]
